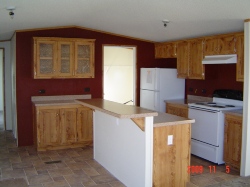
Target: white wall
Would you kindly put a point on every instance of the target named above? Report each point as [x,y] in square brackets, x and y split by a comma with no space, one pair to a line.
[118,74]
[1,80]
[8,83]
[13,85]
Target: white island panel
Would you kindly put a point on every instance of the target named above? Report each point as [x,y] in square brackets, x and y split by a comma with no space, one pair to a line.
[124,149]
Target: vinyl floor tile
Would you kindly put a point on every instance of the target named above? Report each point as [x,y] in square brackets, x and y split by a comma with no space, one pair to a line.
[77,168]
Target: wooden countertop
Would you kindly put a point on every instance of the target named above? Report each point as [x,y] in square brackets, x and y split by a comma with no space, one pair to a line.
[164,119]
[116,109]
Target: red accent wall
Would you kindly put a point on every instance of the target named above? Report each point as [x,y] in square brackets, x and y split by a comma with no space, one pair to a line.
[217,76]
[26,86]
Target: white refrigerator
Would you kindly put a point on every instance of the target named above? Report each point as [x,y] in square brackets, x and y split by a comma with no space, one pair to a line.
[157,85]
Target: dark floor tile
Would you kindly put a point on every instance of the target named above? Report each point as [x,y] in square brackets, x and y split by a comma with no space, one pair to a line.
[38,179]
[100,179]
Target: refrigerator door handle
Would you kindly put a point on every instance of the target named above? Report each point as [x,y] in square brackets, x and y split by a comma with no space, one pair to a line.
[155,100]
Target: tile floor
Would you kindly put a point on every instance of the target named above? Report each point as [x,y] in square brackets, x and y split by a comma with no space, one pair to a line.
[210,174]
[76,167]
[73,167]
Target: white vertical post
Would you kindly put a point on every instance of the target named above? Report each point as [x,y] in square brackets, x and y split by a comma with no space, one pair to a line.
[149,151]
[245,152]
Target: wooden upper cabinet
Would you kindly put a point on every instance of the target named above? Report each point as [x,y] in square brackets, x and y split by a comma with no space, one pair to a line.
[196,68]
[84,56]
[220,45]
[182,59]
[63,58]
[240,57]
[45,58]
[165,50]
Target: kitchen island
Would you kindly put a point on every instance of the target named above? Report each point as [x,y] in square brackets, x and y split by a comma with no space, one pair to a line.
[140,147]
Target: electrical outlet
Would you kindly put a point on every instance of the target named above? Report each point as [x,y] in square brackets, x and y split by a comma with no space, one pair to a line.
[42,91]
[87,89]
[203,90]
[170,140]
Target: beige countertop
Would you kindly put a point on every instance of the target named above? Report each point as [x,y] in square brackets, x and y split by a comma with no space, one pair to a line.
[116,109]
[54,102]
[57,99]
[190,99]
[129,111]
[164,119]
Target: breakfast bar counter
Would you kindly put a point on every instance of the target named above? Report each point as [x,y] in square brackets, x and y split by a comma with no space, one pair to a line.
[129,142]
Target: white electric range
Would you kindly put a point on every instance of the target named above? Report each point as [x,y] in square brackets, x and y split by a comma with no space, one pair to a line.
[207,137]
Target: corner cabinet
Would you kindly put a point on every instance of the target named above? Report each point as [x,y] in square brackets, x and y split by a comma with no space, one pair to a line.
[233,140]
[63,58]
[177,109]
[62,126]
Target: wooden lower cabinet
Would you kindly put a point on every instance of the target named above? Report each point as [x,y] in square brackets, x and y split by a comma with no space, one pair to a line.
[170,162]
[177,109]
[233,140]
[62,126]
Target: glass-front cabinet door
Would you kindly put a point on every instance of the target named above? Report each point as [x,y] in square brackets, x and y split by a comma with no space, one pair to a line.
[45,65]
[65,59]
[84,59]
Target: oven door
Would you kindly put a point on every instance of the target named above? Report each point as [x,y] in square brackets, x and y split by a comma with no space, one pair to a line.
[206,127]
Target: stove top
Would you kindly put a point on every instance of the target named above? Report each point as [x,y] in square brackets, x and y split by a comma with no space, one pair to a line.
[218,104]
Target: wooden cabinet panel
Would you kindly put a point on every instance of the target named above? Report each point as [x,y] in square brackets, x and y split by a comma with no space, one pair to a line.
[220,45]
[182,59]
[170,162]
[240,57]
[48,132]
[177,109]
[227,45]
[62,126]
[63,58]
[68,125]
[85,125]
[233,140]
[211,46]
[196,68]
[165,50]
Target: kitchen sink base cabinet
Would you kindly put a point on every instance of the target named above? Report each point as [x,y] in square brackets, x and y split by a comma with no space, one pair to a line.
[62,126]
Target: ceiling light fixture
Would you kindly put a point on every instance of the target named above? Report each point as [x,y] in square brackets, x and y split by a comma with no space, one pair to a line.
[165,22]
[11,11]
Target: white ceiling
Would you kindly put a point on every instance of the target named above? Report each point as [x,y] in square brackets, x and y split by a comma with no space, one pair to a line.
[135,18]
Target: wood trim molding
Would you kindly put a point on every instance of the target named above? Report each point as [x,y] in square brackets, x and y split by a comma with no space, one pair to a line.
[247,20]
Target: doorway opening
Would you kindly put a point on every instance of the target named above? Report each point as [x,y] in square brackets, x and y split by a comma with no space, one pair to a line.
[2,106]
[119,74]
